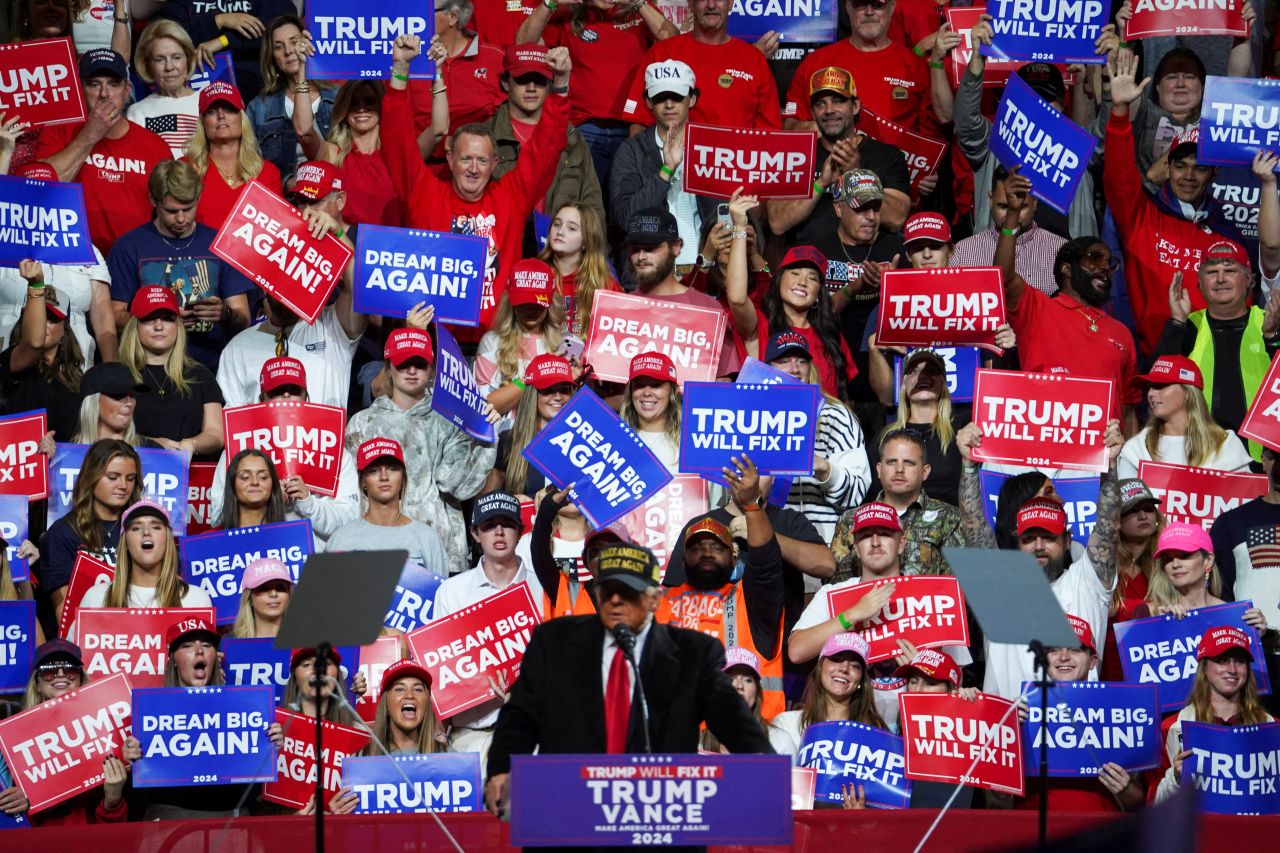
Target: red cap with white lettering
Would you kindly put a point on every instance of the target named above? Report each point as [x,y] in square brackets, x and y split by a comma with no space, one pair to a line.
[1172,370]
[404,344]
[1042,514]
[190,629]
[220,90]
[378,448]
[652,365]
[547,371]
[281,371]
[1226,250]
[531,283]
[36,169]
[926,226]
[315,179]
[1083,632]
[151,300]
[932,663]
[403,669]
[1222,639]
[876,516]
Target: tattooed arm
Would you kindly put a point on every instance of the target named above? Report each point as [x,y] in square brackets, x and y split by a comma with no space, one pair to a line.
[973,521]
[1105,538]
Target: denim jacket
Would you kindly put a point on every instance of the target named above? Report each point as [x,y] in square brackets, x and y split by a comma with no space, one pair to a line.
[274,128]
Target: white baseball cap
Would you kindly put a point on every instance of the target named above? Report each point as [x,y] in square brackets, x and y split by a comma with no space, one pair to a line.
[670,75]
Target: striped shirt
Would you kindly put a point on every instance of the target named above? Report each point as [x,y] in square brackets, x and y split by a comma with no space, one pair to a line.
[838,440]
[1036,250]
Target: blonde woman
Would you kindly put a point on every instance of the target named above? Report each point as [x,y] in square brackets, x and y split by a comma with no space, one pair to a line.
[577,250]
[284,81]
[1180,430]
[224,152]
[147,572]
[11,590]
[548,385]
[265,592]
[165,59]
[404,720]
[183,410]
[529,323]
[651,406]
[1187,579]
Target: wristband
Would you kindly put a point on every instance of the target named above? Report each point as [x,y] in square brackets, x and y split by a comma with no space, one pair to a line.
[844,622]
[339,232]
[667,172]
[550,4]
[1009,232]
[439,91]
[818,188]
[937,65]
[1124,43]
[752,508]
[917,51]
[518,382]
[224,41]
[403,78]
[38,284]
[559,90]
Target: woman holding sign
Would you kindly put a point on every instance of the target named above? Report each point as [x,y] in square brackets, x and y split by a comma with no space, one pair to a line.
[651,406]
[330,703]
[147,574]
[1187,579]
[838,689]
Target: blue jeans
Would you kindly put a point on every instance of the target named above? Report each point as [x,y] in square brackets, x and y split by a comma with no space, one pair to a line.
[603,142]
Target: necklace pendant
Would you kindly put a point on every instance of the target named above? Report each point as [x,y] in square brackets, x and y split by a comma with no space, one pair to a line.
[1093,325]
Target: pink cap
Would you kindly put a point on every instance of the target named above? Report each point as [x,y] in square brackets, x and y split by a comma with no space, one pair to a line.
[404,344]
[151,299]
[926,226]
[547,371]
[220,90]
[846,642]
[934,664]
[265,570]
[280,371]
[652,365]
[1083,632]
[378,448]
[1042,514]
[1222,639]
[1184,538]
[876,516]
[738,656]
[143,507]
[531,283]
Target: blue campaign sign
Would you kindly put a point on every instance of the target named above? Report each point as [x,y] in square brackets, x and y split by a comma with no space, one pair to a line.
[1233,767]
[1237,120]
[796,21]
[203,736]
[414,596]
[1237,190]
[257,663]
[14,821]
[221,72]
[415,784]
[455,396]
[1162,650]
[756,372]
[1079,499]
[43,220]
[17,644]
[1053,150]
[215,561]
[353,42]
[1092,723]
[612,469]
[541,229]
[13,527]
[164,480]
[655,800]
[1061,31]
[962,364]
[396,268]
[773,424]
[848,753]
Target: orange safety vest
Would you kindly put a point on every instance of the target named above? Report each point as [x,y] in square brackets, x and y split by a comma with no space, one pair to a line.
[572,599]
[722,613]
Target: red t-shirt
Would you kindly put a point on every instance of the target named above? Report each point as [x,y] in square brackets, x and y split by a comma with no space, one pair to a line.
[114,178]
[826,368]
[218,199]
[475,92]
[569,290]
[497,21]
[735,85]
[1054,332]
[605,45]
[913,20]
[1133,593]
[372,198]
[891,82]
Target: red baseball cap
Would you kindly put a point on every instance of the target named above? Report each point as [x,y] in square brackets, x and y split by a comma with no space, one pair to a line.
[1083,632]
[1226,250]
[805,256]
[403,669]
[378,448]
[404,344]
[710,526]
[1172,370]
[652,365]
[220,90]
[531,283]
[179,631]
[299,655]
[934,664]
[152,299]
[315,179]
[876,516]
[37,169]
[522,59]
[1222,639]
[1042,514]
[281,371]
[1190,136]
[926,226]
[547,371]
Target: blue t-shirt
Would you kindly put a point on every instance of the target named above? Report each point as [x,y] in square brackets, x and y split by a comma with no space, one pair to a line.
[144,257]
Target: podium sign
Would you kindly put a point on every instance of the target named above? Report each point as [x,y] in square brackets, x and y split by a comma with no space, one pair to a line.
[650,800]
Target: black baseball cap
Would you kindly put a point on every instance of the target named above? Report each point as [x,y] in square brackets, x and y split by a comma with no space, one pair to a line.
[59,649]
[785,343]
[103,61]
[652,226]
[110,377]
[1045,80]
[493,505]
[631,565]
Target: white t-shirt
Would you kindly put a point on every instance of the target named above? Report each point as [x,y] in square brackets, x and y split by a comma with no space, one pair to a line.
[667,451]
[323,348]
[145,597]
[174,119]
[74,283]
[92,29]
[1231,456]
[561,549]
[1080,593]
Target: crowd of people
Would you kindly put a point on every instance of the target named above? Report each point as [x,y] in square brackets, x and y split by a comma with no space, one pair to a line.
[556,132]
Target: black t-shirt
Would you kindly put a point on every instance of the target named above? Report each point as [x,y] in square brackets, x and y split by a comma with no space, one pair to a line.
[885,160]
[844,264]
[164,413]
[1228,404]
[944,466]
[27,390]
[533,481]
[59,547]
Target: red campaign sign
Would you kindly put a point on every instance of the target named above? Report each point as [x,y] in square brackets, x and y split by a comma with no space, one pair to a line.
[922,153]
[296,765]
[374,660]
[942,735]
[656,524]
[623,326]
[39,82]
[926,610]
[954,306]
[1198,495]
[54,751]
[768,163]
[996,72]
[1041,420]
[463,649]
[86,573]
[1185,18]
[199,497]
[1262,423]
[130,641]
[268,240]
[301,438]
[23,470]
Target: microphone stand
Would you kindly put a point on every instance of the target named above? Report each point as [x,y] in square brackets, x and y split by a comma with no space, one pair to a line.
[319,677]
[1042,666]
[626,640]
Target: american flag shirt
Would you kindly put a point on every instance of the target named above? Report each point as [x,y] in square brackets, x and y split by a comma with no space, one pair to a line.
[1264,546]
[174,119]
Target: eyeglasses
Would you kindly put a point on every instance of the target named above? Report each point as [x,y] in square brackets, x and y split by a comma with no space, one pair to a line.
[50,671]
[562,388]
[1098,257]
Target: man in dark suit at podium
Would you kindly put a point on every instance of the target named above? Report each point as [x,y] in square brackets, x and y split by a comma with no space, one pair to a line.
[576,692]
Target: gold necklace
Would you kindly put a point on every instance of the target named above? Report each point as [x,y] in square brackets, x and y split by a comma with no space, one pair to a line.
[1093,321]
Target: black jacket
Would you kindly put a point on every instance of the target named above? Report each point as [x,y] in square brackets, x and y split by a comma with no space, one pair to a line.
[634,182]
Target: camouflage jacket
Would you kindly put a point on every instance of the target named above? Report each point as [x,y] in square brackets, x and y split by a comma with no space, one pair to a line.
[928,525]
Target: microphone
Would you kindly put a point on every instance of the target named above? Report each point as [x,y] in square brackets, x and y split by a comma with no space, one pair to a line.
[625,638]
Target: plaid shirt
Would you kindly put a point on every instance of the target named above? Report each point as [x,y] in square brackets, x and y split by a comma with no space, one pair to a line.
[928,525]
[1036,249]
